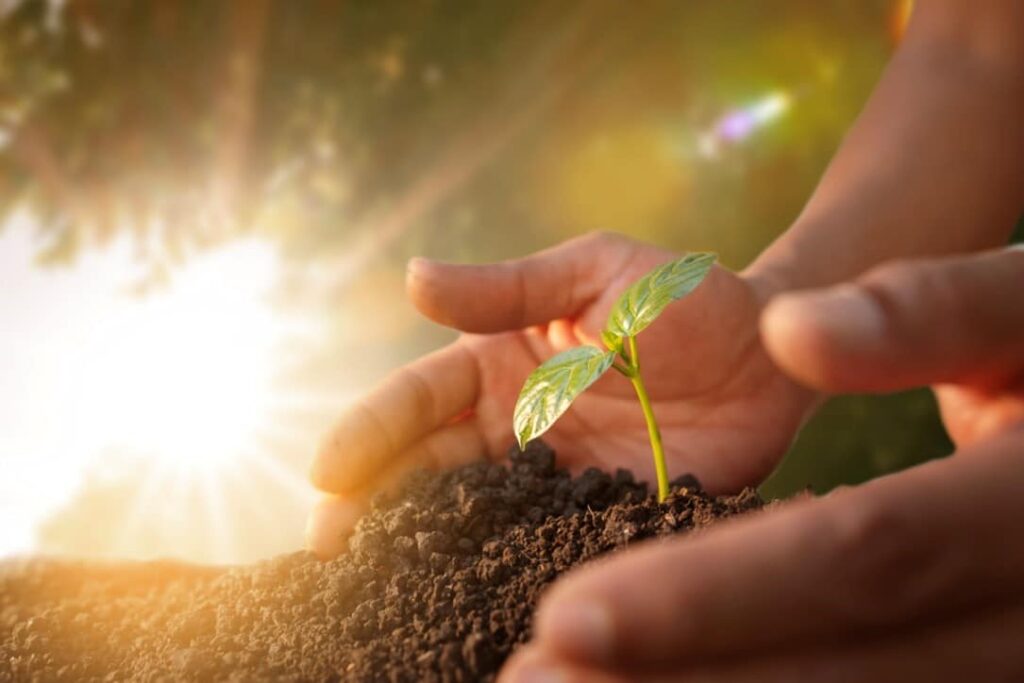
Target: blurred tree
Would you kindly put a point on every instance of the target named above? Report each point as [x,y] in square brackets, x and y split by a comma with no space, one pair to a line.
[188,121]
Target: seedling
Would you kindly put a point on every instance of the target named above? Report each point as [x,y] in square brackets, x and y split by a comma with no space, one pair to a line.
[552,387]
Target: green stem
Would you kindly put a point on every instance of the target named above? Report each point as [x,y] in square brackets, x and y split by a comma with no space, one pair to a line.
[652,425]
[627,371]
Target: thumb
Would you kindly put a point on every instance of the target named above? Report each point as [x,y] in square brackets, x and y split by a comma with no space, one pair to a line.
[554,283]
[905,325]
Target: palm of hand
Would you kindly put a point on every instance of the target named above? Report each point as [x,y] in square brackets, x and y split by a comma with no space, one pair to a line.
[726,414]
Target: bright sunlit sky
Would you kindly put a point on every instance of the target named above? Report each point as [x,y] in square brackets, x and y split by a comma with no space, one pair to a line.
[182,377]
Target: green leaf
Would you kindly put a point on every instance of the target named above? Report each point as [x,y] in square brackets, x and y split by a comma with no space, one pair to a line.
[612,341]
[551,389]
[644,301]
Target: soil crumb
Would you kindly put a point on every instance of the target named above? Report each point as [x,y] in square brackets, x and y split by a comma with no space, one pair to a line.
[439,584]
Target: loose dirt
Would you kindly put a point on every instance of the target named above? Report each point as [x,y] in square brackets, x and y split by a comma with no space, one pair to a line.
[439,584]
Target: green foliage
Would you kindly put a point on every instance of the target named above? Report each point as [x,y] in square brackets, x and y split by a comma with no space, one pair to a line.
[1018,233]
[612,341]
[551,389]
[644,301]
[182,123]
[852,439]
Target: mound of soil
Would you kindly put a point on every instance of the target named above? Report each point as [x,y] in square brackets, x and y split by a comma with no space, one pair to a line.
[439,585]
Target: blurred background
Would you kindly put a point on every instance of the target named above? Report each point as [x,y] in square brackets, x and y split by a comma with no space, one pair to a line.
[206,207]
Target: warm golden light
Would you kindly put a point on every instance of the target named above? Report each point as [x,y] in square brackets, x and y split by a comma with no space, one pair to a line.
[185,374]
[160,417]
[620,179]
[181,421]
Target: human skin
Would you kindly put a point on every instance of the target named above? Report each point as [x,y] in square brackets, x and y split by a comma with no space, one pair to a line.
[726,413]
[914,576]
[934,163]
[904,184]
[917,569]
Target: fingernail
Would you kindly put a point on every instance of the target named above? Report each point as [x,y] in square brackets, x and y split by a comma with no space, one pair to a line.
[583,630]
[416,265]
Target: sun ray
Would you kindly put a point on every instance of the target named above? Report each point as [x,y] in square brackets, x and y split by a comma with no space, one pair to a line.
[220,531]
[290,481]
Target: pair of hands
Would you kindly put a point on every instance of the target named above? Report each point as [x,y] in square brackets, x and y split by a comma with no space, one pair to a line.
[915,576]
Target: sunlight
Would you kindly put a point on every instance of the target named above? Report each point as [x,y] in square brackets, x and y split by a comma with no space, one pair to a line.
[164,422]
[185,374]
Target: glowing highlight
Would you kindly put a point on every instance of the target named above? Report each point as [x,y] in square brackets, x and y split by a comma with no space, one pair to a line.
[737,125]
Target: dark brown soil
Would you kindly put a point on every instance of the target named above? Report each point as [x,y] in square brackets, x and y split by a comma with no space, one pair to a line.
[439,585]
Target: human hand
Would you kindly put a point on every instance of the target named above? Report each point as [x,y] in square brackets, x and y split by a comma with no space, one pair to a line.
[726,413]
[914,576]
[954,323]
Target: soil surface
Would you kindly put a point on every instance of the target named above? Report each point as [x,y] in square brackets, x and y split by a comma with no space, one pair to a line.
[439,584]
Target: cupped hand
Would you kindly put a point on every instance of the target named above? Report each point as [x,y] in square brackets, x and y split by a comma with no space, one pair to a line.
[726,413]
[918,576]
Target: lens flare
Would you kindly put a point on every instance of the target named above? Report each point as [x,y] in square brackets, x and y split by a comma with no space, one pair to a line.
[738,125]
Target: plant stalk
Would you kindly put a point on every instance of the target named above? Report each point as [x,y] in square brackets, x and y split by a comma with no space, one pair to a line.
[657,448]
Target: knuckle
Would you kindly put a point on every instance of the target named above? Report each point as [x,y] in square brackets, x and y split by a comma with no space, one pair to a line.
[362,427]
[879,560]
[322,470]
[419,391]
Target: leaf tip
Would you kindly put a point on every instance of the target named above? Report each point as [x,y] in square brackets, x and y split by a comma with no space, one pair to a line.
[522,442]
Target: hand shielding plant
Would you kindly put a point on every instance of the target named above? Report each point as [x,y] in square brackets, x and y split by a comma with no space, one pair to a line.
[552,387]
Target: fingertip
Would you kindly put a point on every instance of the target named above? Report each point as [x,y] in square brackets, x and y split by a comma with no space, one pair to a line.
[826,339]
[418,268]
[579,626]
[789,336]
[530,665]
[417,273]
[330,524]
[425,286]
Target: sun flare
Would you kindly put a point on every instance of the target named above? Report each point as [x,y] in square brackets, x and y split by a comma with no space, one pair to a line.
[185,374]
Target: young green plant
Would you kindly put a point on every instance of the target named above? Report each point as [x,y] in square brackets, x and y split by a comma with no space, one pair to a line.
[552,387]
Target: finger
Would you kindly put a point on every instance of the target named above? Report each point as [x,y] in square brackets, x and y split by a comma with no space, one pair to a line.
[447,448]
[980,647]
[331,522]
[531,664]
[412,402]
[905,325]
[984,646]
[334,518]
[554,283]
[903,547]
[970,414]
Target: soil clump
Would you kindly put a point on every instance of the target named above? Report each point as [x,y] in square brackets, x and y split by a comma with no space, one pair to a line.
[439,584]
